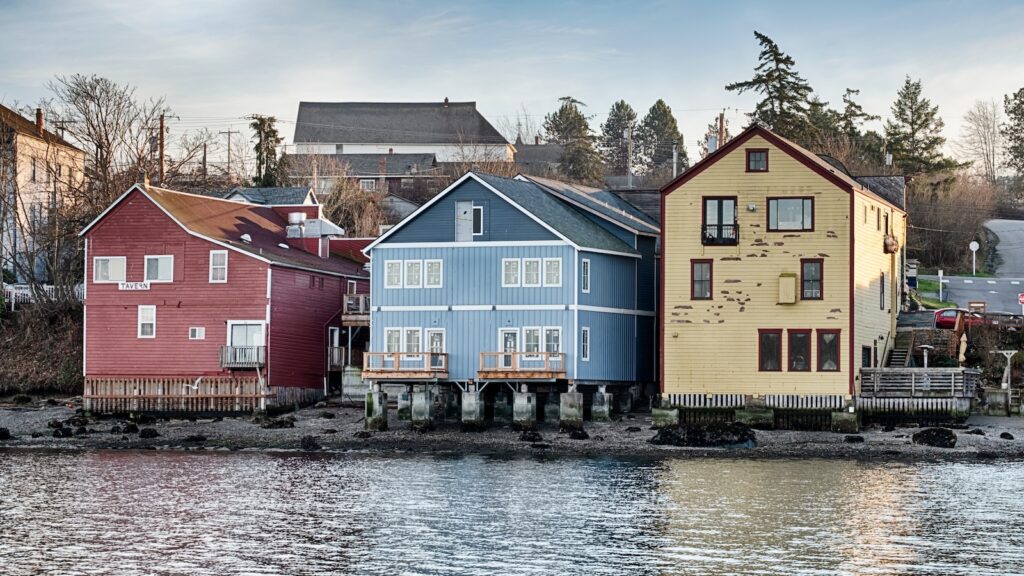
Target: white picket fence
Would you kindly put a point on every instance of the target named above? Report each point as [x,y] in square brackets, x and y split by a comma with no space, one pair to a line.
[19,294]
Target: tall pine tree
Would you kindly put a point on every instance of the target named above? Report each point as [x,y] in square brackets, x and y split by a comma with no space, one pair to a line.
[915,132]
[853,115]
[784,103]
[569,127]
[1013,131]
[612,143]
[657,133]
[266,142]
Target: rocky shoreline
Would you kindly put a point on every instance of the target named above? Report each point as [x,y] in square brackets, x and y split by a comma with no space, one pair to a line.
[335,428]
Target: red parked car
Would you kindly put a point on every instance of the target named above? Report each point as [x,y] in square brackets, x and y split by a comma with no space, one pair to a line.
[947,318]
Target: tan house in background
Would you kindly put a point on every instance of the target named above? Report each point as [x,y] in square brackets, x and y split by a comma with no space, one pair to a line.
[783,277]
[37,168]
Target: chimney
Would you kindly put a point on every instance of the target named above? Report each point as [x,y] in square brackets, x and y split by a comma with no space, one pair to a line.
[39,122]
[391,150]
[536,140]
[445,101]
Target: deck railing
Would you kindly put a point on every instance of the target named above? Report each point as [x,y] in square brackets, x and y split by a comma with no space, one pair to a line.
[356,304]
[919,382]
[398,362]
[551,362]
[243,356]
[335,357]
[17,294]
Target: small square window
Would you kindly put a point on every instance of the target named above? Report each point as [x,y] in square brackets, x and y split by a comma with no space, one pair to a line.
[367,185]
[197,333]
[757,160]
[407,183]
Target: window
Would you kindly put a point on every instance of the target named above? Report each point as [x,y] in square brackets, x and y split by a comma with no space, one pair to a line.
[435,341]
[351,287]
[585,280]
[367,185]
[406,183]
[413,273]
[531,272]
[531,340]
[786,214]
[553,272]
[552,340]
[412,341]
[108,269]
[757,160]
[218,266]
[434,273]
[719,221]
[159,268]
[585,344]
[197,333]
[799,350]
[881,292]
[769,350]
[392,340]
[245,333]
[393,274]
[147,322]
[478,220]
[810,279]
[828,350]
[700,279]
[867,354]
[509,273]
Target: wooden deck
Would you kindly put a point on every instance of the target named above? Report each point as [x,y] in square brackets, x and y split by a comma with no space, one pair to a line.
[405,366]
[356,310]
[521,366]
[206,394]
[905,382]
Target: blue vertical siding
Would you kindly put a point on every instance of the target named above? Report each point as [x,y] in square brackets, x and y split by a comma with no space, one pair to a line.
[612,347]
[502,221]
[647,275]
[612,280]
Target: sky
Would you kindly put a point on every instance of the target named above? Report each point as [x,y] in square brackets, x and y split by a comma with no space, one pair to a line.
[216,62]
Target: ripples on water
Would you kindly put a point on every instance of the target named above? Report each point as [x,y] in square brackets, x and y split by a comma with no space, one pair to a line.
[257,513]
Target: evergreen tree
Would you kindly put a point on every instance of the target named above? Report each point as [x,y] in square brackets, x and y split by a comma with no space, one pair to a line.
[612,143]
[822,121]
[569,127]
[657,133]
[783,107]
[267,140]
[853,115]
[915,133]
[1013,130]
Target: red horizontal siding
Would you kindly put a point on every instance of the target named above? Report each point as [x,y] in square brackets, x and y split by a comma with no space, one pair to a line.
[299,317]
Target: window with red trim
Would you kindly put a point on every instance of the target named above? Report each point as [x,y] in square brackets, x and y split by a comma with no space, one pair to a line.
[828,350]
[769,350]
[757,160]
[799,350]
[701,274]
[811,278]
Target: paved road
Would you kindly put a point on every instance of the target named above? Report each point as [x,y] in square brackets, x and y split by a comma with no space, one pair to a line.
[1000,294]
[1011,246]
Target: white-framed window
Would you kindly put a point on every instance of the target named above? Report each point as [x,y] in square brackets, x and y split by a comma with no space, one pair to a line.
[509,272]
[585,344]
[552,340]
[435,340]
[367,185]
[585,279]
[197,333]
[531,341]
[351,287]
[412,341]
[160,268]
[478,220]
[433,273]
[147,321]
[531,272]
[218,266]
[413,273]
[553,272]
[392,273]
[108,269]
[245,333]
[392,340]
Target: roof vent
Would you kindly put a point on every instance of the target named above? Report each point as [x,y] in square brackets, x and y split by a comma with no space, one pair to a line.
[445,101]
[282,245]
[246,238]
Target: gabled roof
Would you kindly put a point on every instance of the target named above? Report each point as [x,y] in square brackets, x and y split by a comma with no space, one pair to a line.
[351,248]
[224,222]
[838,177]
[394,122]
[23,125]
[647,200]
[277,196]
[892,188]
[542,206]
[549,154]
[602,202]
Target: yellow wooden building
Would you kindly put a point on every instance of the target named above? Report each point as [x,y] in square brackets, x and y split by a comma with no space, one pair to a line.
[783,277]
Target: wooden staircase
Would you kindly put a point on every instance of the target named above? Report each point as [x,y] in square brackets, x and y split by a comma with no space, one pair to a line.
[902,350]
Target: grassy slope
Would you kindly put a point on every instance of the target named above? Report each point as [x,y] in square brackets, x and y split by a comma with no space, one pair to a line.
[41,353]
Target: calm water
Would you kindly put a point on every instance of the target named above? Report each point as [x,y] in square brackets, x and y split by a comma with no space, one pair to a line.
[249,513]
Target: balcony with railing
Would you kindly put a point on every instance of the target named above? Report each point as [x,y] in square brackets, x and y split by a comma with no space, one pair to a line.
[243,357]
[720,234]
[356,310]
[521,366]
[405,366]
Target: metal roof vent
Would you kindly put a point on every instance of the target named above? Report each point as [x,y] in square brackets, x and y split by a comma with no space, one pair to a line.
[246,238]
[283,245]
[296,217]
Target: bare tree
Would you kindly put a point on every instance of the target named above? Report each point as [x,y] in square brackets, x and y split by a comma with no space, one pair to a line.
[359,212]
[522,126]
[981,140]
[946,213]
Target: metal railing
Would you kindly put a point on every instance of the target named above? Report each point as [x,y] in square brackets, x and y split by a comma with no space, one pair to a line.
[335,357]
[399,362]
[919,382]
[243,356]
[356,304]
[549,362]
[720,234]
[15,294]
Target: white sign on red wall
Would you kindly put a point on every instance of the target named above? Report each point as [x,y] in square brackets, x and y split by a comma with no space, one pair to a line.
[132,286]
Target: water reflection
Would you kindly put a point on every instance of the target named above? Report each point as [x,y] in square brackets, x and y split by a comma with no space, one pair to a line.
[251,513]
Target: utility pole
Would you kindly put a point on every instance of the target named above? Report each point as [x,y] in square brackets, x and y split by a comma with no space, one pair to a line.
[161,149]
[229,132]
[204,163]
[628,135]
[721,128]
[675,159]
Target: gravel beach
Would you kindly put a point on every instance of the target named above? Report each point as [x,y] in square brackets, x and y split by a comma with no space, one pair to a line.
[338,428]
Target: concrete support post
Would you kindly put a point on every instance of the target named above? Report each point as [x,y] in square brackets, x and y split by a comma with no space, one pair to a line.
[502,407]
[376,409]
[423,409]
[551,408]
[405,405]
[600,408]
[452,411]
[472,410]
[524,411]
[570,414]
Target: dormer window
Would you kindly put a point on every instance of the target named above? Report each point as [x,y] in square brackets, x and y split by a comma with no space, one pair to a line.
[478,220]
[757,160]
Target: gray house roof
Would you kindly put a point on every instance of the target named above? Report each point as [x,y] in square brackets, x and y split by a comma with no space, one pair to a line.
[891,188]
[647,200]
[539,155]
[394,122]
[603,202]
[395,164]
[557,214]
[274,196]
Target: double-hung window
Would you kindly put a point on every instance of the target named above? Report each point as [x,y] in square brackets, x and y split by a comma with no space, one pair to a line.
[757,160]
[719,226]
[828,350]
[552,340]
[585,344]
[392,340]
[218,266]
[159,268]
[811,279]
[434,273]
[510,272]
[585,279]
[553,272]
[531,272]
[769,350]
[392,273]
[146,321]
[108,269]
[790,214]
[531,342]
[799,350]
[413,273]
[700,279]
[413,341]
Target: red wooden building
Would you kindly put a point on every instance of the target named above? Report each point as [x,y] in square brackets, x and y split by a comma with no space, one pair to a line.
[195,303]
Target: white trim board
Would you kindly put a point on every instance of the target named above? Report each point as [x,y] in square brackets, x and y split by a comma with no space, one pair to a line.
[477,244]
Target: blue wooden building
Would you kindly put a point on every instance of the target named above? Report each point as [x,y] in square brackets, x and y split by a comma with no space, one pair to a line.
[527,281]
